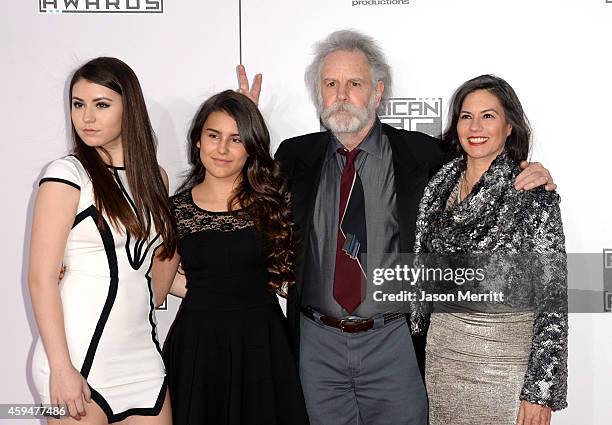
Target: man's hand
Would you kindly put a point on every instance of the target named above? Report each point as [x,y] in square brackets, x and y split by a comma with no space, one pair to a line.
[533,414]
[534,175]
[243,85]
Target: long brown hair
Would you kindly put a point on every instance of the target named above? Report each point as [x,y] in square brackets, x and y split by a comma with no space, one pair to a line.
[262,188]
[139,155]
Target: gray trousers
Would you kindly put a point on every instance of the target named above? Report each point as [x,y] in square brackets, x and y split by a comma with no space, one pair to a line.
[369,378]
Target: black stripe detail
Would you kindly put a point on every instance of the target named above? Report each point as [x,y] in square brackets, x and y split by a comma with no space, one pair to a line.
[112,167]
[111,255]
[109,246]
[137,259]
[87,212]
[58,180]
[123,189]
[152,303]
[140,411]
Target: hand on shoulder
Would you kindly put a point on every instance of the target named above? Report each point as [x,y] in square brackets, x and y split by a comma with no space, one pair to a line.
[534,175]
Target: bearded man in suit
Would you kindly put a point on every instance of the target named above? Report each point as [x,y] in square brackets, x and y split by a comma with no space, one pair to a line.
[355,192]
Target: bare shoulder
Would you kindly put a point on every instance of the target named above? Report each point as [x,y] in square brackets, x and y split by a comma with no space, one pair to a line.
[164,177]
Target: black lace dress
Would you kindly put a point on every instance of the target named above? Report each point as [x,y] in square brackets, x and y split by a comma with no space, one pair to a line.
[227,355]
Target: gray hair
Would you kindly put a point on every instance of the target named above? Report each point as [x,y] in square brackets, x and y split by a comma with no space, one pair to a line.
[348,40]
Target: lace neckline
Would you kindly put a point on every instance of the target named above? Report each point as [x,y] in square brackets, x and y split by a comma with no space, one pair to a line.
[193,202]
[192,219]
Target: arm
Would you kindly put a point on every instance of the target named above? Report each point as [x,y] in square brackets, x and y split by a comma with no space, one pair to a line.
[54,213]
[420,311]
[164,275]
[179,285]
[285,159]
[164,271]
[546,377]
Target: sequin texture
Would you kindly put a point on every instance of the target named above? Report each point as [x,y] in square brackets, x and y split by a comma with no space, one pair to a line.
[495,218]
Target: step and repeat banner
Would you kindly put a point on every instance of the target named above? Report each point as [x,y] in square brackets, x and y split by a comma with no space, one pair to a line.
[554,53]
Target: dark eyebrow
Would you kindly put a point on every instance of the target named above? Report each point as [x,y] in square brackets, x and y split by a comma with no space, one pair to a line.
[97,99]
[218,132]
[482,112]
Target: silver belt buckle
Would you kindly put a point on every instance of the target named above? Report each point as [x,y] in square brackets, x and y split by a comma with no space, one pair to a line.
[342,321]
[349,319]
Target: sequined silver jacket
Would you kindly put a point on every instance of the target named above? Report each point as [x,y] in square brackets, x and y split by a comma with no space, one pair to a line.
[495,218]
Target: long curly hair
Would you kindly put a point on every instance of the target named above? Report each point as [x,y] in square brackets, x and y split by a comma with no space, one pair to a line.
[263,187]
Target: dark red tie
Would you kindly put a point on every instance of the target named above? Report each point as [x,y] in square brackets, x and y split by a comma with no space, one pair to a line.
[349,277]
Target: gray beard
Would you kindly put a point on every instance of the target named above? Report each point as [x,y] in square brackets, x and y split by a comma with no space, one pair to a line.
[356,121]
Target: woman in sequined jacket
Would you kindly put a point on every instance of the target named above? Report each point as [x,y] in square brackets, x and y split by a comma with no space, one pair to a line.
[510,365]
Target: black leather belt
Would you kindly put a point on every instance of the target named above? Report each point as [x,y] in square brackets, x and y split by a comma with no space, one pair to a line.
[349,325]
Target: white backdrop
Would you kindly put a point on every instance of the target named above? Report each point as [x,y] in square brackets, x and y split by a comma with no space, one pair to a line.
[554,53]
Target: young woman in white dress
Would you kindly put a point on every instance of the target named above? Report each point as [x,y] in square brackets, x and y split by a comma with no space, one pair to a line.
[103,212]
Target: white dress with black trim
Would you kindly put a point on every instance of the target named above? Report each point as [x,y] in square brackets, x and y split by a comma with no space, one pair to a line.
[107,300]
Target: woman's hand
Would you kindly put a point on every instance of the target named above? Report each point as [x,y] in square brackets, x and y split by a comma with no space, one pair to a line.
[69,388]
[533,414]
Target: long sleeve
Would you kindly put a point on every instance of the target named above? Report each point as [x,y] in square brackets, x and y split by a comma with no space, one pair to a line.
[420,311]
[285,159]
[546,377]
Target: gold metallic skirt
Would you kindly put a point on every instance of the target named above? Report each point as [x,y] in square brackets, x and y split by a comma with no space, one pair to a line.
[476,365]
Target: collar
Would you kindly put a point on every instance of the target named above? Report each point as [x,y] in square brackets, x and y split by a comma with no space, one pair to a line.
[490,189]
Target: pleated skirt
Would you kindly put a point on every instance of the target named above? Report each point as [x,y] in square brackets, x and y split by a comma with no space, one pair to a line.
[233,368]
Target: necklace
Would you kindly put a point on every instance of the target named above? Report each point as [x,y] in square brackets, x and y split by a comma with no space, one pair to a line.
[465,186]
